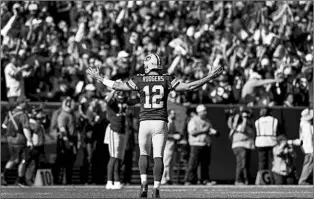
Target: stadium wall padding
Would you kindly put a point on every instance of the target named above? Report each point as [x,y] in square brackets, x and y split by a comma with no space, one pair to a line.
[223,160]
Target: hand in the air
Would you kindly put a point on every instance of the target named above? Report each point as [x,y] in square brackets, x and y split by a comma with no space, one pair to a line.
[215,71]
[94,73]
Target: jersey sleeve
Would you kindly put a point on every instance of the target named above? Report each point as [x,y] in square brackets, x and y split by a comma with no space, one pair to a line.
[133,83]
[174,82]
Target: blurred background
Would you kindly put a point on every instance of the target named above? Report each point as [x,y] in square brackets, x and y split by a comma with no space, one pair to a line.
[265,47]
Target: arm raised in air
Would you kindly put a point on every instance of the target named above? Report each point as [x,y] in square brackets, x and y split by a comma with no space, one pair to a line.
[198,83]
[116,85]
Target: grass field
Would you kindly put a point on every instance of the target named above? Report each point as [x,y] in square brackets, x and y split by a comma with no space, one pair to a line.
[218,191]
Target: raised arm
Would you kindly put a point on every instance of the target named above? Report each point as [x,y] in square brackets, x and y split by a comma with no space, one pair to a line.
[198,83]
[109,97]
[116,85]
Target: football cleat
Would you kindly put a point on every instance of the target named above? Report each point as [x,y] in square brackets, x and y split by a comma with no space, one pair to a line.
[117,185]
[144,190]
[155,193]
[109,185]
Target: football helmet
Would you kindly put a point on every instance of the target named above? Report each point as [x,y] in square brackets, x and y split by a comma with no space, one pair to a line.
[152,61]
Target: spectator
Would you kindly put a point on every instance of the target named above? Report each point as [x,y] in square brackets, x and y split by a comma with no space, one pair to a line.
[266,135]
[283,162]
[306,135]
[242,136]
[289,102]
[14,77]
[248,91]
[200,137]
[264,38]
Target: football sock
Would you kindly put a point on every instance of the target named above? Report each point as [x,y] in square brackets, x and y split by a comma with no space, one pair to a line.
[110,168]
[158,169]
[116,173]
[143,165]
[143,178]
[156,184]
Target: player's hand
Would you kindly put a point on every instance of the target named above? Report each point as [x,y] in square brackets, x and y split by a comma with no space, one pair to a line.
[215,71]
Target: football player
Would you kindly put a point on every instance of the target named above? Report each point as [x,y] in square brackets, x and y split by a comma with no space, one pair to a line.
[117,104]
[153,88]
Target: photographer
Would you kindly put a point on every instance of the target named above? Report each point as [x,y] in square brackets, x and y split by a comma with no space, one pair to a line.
[67,141]
[306,135]
[242,136]
[283,168]
[38,136]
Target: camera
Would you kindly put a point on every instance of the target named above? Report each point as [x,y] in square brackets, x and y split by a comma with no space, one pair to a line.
[295,142]
[230,112]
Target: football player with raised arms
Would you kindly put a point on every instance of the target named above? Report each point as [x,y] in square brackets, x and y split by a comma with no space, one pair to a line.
[153,88]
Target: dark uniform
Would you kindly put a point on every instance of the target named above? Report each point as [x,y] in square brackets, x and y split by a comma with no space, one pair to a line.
[66,144]
[116,137]
[154,91]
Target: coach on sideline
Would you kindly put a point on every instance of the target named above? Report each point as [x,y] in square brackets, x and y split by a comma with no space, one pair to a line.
[200,131]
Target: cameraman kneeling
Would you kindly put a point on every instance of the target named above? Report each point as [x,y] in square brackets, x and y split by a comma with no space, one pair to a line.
[283,168]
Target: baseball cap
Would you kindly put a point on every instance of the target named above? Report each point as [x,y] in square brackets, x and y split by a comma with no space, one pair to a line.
[90,87]
[22,99]
[122,54]
[33,7]
[200,108]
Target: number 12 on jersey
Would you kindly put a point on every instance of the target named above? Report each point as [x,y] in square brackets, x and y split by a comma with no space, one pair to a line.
[153,96]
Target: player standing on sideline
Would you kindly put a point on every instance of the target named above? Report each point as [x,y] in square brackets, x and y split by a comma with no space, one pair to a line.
[154,89]
[117,104]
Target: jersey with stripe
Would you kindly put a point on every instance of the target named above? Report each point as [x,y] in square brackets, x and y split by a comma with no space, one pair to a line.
[116,115]
[154,91]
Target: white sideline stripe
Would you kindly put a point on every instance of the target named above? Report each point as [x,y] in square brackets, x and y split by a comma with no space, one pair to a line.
[174,186]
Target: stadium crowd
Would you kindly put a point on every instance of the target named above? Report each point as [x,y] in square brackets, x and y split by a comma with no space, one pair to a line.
[264,47]
[46,47]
